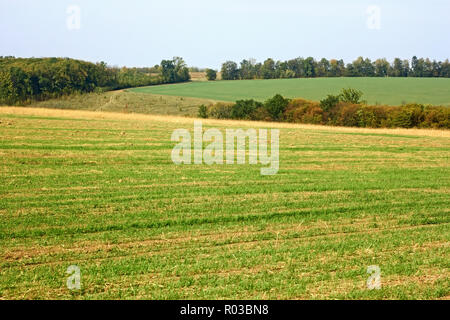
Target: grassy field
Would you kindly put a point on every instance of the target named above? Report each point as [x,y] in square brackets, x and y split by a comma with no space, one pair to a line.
[99,190]
[128,102]
[390,91]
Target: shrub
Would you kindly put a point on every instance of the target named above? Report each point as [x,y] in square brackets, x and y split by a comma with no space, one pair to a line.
[373,116]
[407,116]
[261,114]
[313,115]
[348,115]
[329,102]
[276,106]
[436,117]
[244,109]
[203,112]
[298,108]
[220,110]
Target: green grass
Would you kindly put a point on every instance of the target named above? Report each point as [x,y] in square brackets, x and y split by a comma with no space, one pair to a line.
[390,91]
[102,193]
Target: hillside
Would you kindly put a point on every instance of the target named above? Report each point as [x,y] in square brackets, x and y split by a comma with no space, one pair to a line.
[127,102]
[390,91]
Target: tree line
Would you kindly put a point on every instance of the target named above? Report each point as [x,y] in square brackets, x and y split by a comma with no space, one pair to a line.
[310,68]
[345,109]
[23,80]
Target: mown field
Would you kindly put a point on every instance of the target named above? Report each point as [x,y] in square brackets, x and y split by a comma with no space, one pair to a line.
[127,102]
[389,91]
[99,190]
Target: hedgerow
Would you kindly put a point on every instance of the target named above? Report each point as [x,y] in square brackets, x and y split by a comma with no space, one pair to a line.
[340,110]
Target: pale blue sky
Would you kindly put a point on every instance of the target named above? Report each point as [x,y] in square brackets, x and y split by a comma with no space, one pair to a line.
[208,32]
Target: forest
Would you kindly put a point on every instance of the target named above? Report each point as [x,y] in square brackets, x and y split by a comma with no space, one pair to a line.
[23,80]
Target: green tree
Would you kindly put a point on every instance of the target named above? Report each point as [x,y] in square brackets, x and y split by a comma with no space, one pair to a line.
[296,66]
[323,68]
[382,67]
[417,67]
[230,71]
[268,69]
[174,70]
[309,67]
[244,109]
[203,111]
[358,67]
[275,106]
[427,68]
[398,69]
[329,102]
[368,68]
[445,70]
[181,70]
[247,69]
[168,71]
[351,96]
[211,74]
[337,68]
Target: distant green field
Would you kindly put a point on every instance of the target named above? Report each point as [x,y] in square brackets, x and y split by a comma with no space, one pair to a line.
[390,91]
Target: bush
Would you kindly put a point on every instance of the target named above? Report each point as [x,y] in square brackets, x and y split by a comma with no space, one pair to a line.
[261,114]
[303,111]
[203,111]
[407,116]
[276,106]
[436,117]
[313,115]
[329,102]
[220,110]
[347,115]
[244,109]
[373,116]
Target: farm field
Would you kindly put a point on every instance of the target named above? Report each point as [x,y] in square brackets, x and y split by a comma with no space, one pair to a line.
[99,190]
[124,101]
[389,91]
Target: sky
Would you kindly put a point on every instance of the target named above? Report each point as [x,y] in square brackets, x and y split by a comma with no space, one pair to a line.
[207,33]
